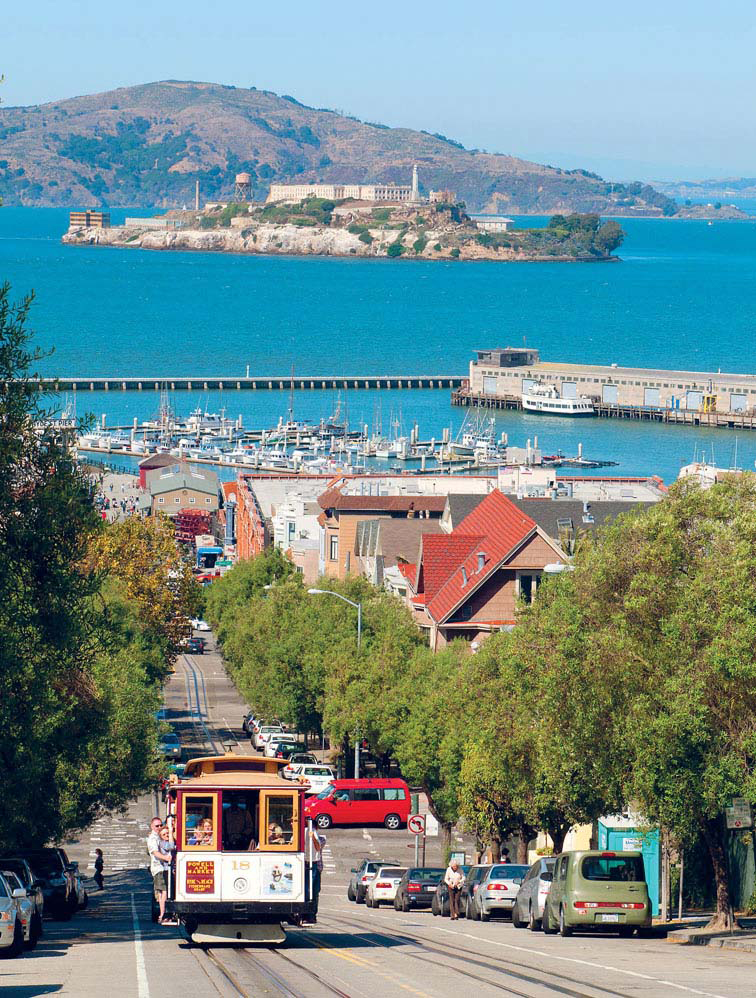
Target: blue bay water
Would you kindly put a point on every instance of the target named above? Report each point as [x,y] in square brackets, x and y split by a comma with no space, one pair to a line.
[682,297]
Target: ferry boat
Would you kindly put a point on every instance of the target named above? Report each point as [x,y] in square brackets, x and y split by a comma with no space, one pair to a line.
[547,400]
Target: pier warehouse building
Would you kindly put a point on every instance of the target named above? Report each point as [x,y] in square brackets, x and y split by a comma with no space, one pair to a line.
[508,372]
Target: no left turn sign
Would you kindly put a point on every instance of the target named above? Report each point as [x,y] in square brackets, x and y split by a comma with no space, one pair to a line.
[416,824]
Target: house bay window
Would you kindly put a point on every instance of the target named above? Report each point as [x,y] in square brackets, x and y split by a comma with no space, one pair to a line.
[527,585]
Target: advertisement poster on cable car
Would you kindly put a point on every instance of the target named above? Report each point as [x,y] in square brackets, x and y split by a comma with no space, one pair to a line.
[277,878]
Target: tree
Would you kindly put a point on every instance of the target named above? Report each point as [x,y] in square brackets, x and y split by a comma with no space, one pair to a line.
[395,249]
[609,237]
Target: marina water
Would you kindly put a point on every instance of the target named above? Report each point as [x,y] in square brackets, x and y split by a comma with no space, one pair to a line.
[682,297]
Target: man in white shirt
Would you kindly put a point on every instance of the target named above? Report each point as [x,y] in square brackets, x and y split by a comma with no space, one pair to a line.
[157,865]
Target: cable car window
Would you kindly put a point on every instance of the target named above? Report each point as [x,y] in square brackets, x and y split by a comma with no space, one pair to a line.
[200,825]
[280,826]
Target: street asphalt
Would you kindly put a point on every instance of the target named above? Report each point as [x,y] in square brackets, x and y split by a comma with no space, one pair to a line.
[112,948]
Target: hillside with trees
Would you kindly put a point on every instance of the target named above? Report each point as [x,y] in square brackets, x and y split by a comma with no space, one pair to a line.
[147,145]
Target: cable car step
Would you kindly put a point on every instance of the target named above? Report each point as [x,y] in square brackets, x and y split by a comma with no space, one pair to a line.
[267,935]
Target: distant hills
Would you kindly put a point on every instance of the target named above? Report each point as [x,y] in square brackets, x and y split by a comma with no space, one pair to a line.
[147,145]
[724,190]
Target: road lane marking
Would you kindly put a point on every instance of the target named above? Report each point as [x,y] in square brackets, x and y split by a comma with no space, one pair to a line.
[584,963]
[143,988]
[363,962]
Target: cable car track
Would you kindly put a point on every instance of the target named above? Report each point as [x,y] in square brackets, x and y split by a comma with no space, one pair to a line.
[269,974]
[485,961]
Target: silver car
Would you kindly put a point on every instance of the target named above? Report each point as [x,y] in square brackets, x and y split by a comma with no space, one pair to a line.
[11,920]
[531,898]
[497,891]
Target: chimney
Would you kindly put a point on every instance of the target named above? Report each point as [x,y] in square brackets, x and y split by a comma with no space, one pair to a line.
[481,560]
[464,576]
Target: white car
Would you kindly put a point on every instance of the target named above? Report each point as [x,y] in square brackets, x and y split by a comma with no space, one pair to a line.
[272,744]
[200,625]
[382,888]
[318,777]
[263,733]
[11,924]
[25,906]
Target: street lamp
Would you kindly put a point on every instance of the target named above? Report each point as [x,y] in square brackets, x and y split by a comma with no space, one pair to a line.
[358,608]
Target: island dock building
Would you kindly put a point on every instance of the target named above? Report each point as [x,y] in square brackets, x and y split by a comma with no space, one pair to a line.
[499,377]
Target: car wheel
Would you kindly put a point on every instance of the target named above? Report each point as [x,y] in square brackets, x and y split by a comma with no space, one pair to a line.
[475,912]
[434,908]
[564,929]
[405,904]
[17,945]
[351,896]
[36,926]
[468,910]
[548,928]
[516,920]
[31,942]
[368,901]
[323,821]
[392,821]
[85,902]
[396,904]
[484,916]
[534,924]
[361,898]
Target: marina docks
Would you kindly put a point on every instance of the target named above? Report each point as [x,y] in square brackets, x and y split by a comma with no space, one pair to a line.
[603,410]
[250,383]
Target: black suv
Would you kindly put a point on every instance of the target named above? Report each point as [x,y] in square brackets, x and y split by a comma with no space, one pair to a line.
[57,878]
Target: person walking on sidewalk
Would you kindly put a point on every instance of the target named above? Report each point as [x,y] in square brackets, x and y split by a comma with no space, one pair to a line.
[99,863]
[454,878]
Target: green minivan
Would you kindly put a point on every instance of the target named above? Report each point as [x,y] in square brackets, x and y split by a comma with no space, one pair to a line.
[598,891]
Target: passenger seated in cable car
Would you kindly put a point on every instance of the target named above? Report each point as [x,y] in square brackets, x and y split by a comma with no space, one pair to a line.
[203,836]
[238,824]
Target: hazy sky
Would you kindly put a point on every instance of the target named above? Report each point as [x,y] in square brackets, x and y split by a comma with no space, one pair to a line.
[661,90]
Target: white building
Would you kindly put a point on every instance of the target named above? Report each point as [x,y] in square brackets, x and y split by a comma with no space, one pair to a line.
[492,223]
[409,194]
[296,531]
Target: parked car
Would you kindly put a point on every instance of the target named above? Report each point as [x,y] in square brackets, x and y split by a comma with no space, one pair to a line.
[361,802]
[440,903]
[598,891]
[472,881]
[11,926]
[25,907]
[82,898]
[497,891]
[196,646]
[417,887]
[263,732]
[169,746]
[382,888]
[531,897]
[318,777]
[247,722]
[51,868]
[273,743]
[296,759]
[362,875]
[32,886]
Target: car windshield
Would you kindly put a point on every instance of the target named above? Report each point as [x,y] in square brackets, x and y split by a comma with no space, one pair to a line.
[392,871]
[47,865]
[324,794]
[613,868]
[508,871]
[170,739]
[426,873]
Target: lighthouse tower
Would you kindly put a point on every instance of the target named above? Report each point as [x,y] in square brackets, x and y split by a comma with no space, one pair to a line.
[415,198]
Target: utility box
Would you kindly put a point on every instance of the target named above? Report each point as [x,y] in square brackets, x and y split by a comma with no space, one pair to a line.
[621,833]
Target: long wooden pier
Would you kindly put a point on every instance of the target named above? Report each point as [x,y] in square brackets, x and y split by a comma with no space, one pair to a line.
[203,383]
[603,410]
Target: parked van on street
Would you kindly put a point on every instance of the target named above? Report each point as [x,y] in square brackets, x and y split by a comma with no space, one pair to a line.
[361,802]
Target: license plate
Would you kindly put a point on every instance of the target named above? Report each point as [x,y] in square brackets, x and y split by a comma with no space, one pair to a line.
[431,890]
[608,918]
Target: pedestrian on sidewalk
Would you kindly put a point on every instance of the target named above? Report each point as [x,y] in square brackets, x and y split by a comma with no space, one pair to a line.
[454,878]
[99,863]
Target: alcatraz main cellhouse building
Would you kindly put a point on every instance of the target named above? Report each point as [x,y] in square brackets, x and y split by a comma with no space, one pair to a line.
[510,371]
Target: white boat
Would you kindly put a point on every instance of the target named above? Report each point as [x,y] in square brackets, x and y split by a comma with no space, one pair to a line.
[547,400]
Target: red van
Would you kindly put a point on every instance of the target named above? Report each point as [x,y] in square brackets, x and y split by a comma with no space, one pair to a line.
[361,802]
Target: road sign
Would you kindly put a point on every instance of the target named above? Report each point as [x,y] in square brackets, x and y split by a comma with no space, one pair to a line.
[739,815]
[431,825]
[416,824]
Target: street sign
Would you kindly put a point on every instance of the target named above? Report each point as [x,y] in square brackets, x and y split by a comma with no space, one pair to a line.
[416,824]
[739,815]
[431,825]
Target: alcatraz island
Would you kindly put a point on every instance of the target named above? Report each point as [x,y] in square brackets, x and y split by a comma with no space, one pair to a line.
[362,220]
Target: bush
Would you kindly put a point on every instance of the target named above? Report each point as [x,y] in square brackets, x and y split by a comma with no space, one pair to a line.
[366,238]
[437,247]
[455,253]
[419,245]
[395,249]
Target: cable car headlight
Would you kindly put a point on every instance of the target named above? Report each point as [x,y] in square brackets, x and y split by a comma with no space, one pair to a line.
[240,884]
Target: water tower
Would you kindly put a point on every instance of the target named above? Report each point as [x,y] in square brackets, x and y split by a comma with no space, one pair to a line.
[243,187]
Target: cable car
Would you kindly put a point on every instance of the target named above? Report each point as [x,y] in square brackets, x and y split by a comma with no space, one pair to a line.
[245,859]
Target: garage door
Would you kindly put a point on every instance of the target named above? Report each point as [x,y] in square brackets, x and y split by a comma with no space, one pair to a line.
[693,400]
[652,396]
[738,403]
[490,385]
[609,394]
[569,390]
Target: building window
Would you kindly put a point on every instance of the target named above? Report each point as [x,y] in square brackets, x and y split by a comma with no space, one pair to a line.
[177,500]
[333,550]
[208,501]
[527,584]
[291,530]
[161,500]
[192,500]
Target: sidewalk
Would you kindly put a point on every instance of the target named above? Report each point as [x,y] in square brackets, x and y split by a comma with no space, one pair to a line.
[693,932]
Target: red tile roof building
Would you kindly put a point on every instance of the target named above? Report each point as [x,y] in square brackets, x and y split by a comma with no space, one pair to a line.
[468,583]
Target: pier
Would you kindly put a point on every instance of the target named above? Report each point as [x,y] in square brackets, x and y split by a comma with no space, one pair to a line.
[202,383]
[743,420]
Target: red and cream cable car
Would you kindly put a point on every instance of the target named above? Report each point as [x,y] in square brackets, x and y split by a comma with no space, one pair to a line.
[245,862]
